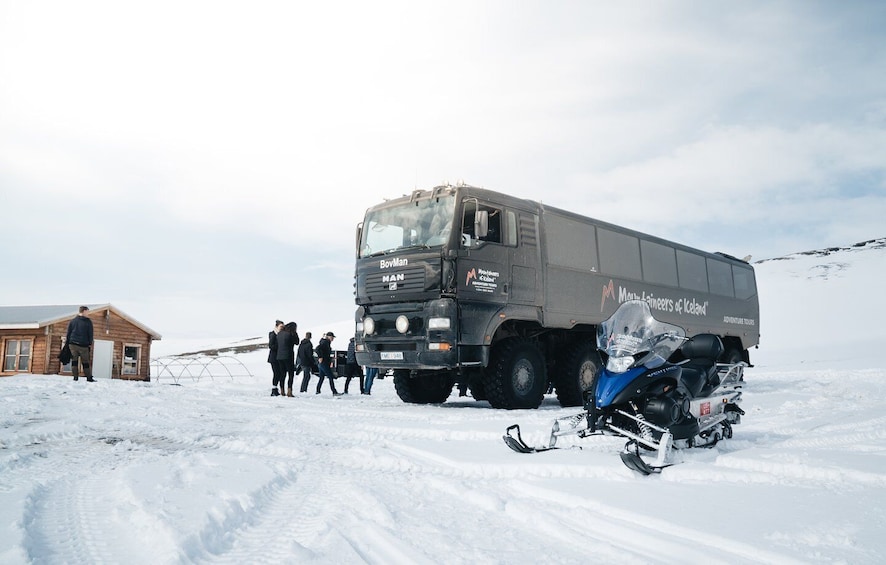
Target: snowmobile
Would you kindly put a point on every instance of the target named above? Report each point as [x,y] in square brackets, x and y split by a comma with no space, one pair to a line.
[662,391]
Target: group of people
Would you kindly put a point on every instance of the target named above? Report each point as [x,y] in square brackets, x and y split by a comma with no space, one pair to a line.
[286,361]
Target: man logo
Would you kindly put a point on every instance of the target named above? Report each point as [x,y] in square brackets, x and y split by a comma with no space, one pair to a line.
[393,280]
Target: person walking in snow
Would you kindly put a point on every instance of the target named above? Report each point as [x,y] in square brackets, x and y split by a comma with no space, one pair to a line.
[371,372]
[324,359]
[352,369]
[305,361]
[79,339]
[286,340]
[272,355]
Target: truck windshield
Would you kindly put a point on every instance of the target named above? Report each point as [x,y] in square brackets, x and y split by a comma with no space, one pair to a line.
[422,223]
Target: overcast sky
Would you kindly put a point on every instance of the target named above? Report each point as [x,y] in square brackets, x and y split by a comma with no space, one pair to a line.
[202,165]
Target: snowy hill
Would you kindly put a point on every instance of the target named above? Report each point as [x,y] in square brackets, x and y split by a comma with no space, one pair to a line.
[823,307]
[216,471]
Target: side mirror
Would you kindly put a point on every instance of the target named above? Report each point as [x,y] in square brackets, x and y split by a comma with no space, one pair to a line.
[481,224]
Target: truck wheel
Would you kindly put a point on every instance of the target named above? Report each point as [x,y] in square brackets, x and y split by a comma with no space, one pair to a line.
[580,375]
[477,389]
[426,388]
[732,356]
[516,375]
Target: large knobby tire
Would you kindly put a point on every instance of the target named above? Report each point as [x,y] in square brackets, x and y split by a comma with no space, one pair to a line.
[731,356]
[516,376]
[427,388]
[579,374]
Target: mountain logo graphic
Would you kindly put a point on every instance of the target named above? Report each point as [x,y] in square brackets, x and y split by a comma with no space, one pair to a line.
[608,292]
[472,275]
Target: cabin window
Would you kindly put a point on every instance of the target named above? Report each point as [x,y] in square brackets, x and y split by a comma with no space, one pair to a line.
[619,254]
[659,263]
[17,355]
[720,277]
[691,271]
[131,358]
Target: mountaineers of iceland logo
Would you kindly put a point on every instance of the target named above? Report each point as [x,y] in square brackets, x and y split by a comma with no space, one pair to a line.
[482,280]
[608,292]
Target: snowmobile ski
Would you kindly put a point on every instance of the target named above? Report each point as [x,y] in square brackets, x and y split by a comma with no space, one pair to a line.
[517,443]
[635,463]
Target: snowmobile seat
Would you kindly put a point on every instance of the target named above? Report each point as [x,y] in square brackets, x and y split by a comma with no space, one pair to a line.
[699,372]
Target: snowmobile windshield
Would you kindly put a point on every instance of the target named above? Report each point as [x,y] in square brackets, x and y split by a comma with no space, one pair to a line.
[633,330]
[423,224]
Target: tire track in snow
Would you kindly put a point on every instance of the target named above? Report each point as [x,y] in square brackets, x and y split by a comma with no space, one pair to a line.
[621,531]
[289,519]
[61,525]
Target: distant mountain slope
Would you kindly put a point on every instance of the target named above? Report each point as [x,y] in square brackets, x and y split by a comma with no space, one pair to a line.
[823,305]
[868,245]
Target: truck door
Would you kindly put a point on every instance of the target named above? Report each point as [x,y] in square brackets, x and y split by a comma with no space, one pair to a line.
[484,259]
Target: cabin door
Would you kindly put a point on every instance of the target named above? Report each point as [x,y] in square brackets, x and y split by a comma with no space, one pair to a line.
[102,358]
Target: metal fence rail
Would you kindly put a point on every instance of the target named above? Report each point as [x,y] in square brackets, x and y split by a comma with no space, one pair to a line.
[195,367]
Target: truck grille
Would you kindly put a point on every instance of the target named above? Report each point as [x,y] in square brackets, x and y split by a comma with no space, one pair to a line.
[403,280]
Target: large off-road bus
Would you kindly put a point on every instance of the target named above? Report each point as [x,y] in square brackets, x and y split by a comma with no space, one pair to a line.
[502,296]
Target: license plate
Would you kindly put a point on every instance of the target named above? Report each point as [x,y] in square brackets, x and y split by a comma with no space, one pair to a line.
[391,355]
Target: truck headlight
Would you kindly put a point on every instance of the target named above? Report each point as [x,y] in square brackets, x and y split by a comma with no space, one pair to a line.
[368,326]
[439,323]
[402,324]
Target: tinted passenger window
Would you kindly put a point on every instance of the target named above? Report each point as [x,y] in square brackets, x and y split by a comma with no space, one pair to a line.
[619,254]
[745,287]
[659,263]
[720,277]
[692,271]
[571,244]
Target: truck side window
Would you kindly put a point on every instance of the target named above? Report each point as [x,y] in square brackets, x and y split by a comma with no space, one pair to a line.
[495,229]
[494,233]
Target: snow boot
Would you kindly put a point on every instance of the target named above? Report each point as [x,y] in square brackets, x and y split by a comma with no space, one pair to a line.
[289,392]
[275,392]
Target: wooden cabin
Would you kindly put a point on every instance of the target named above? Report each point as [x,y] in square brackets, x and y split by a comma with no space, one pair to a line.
[31,338]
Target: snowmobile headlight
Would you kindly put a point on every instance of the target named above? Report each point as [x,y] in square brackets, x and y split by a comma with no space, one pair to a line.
[402,324]
[619,364]
[439,323]
[368,326]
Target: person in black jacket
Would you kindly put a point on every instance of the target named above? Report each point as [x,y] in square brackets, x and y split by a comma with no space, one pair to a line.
[324,358]
[79,339]
[272,355]
[305,360]
[286,341]
[352,369]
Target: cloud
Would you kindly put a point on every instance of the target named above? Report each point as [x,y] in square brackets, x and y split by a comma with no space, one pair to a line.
[244,142]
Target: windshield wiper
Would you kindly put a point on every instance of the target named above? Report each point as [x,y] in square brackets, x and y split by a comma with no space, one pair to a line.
[398,249]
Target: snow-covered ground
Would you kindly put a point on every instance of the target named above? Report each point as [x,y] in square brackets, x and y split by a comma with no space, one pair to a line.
[218,471]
